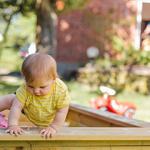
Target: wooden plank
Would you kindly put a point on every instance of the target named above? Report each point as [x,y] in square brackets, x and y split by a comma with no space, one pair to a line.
[71,148]
[81,138]
[13,145]
[13,148]
[78,112]
[78,119]
[84,133]
[8,148]
[145,148]
[126,148]
[130,148]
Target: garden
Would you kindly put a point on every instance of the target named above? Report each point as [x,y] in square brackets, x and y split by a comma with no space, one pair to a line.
[119,65]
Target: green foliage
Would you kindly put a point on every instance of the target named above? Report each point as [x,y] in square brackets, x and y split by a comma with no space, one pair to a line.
[16,6]
[70,5]
[11,63]
[21,33]
[75,91]
[74,4]
[10,12]
[22,29]
[117,72]
[118,43]
[127,55]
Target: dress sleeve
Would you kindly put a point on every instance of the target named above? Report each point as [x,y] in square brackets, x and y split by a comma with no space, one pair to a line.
[21,94]
[63,99]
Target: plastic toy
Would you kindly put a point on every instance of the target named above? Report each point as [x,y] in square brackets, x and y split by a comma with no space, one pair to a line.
[3,121]
[109,103]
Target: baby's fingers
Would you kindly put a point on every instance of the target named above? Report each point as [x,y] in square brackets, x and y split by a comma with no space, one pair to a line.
[11,132]
[48,135]
[21,131]
[45,134]
[7,131]
[16,132]
[42,131]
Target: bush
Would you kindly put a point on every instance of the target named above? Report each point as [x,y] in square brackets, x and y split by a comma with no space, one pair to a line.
[125,71]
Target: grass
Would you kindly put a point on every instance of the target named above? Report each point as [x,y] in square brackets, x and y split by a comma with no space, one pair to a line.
[79,93]
[141,101]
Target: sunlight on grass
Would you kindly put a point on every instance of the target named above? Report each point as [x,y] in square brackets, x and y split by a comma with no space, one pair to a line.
[80,94]
[142,103]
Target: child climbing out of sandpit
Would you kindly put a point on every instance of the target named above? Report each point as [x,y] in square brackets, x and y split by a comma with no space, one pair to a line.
[43,97]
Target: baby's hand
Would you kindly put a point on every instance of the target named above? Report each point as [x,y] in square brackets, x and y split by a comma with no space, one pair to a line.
[14,130]
[48,132]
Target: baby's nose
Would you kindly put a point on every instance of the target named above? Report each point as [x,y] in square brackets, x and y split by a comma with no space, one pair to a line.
[36,90]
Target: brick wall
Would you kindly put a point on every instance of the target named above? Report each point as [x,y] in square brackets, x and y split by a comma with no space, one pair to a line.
[92,26]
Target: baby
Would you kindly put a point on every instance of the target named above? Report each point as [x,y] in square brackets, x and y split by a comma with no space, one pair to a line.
[43,97]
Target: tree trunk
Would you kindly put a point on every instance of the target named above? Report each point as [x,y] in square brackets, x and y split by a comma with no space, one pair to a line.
[46,40]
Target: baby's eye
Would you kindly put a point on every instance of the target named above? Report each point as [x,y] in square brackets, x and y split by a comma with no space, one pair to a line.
[30,86]
[42,87]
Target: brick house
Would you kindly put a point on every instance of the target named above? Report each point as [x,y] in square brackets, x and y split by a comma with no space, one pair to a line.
[92,26]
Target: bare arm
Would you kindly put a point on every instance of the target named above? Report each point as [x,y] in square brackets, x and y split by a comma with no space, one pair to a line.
[60,118]
[56,124]
[15,112]
[13,118]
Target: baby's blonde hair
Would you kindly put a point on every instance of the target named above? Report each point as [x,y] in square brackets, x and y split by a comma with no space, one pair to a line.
[39,66]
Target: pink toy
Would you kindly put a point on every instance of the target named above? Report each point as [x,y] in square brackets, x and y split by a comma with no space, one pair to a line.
[3,121]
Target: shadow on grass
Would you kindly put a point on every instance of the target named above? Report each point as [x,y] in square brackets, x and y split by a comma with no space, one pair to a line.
[7,88]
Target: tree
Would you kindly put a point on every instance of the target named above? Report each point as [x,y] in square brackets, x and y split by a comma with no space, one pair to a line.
[46,12]
[46,27]
[10,8]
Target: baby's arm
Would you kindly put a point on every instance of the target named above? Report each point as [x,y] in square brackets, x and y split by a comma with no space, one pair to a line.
[13,118]
[59,118]
[56,124]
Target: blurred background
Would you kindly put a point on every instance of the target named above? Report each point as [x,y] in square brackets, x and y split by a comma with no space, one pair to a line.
[95,42]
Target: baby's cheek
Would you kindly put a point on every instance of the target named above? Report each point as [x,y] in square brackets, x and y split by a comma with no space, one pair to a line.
[45,91]
[30,90]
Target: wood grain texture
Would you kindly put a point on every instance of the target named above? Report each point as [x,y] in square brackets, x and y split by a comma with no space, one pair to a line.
[80,138]
[84,116]
[84,133]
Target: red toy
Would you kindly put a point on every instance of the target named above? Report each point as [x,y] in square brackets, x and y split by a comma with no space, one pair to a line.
[108,103]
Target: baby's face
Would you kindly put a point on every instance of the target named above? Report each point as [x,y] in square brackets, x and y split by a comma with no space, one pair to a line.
[41,88]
